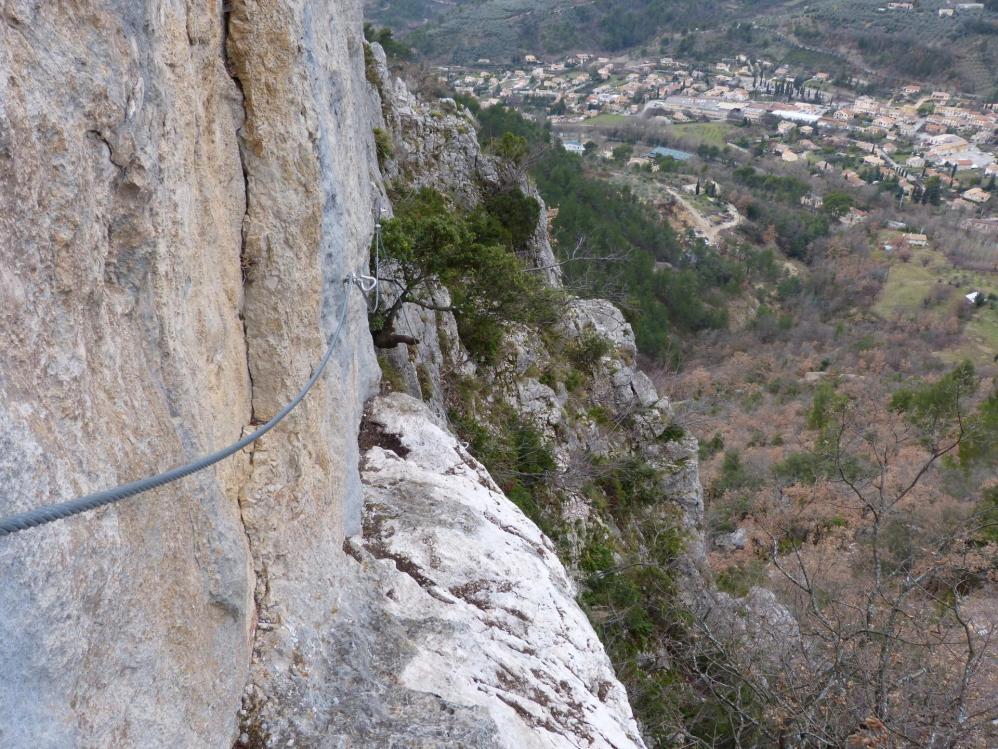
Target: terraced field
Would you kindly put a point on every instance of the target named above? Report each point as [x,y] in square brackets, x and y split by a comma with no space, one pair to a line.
[705,133]
[911,45]
[606,120]
[856,36]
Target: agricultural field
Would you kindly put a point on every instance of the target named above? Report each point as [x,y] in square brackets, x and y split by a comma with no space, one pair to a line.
[926,289]
[702,133]
[606,120]
[691,135]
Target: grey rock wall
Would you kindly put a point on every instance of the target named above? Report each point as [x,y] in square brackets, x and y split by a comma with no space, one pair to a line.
[307,146]
[121,354]
[164,282]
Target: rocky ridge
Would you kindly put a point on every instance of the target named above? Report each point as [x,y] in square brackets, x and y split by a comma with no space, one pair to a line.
[492,607]
[179,223]
[435,146]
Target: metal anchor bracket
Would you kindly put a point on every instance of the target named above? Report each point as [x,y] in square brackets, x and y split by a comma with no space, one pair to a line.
[363,282]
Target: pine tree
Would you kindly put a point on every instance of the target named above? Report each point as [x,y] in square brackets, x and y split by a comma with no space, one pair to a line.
[933,191]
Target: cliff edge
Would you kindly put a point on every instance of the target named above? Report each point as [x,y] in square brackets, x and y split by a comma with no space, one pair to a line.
[185,187]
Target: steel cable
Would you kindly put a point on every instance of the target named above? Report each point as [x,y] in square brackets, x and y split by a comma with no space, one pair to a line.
[42,515]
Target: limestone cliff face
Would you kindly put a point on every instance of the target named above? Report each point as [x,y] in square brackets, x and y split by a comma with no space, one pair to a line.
[122,353]
[171,246]
[619,414]
[184,187]
[309,162]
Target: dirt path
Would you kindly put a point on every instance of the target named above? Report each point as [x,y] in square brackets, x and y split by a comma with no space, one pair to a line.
[700,222]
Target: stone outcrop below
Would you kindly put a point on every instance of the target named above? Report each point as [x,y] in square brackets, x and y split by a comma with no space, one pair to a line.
[490,609]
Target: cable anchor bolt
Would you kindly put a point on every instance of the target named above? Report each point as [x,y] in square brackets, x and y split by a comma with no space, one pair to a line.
[363,282]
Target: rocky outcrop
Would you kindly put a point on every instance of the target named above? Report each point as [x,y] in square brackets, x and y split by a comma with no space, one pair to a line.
[438,358]
[621,385]
[452,621]
[617,413]
[490,608]
[435,144]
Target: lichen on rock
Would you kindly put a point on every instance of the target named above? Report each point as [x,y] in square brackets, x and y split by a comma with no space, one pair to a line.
[491,609]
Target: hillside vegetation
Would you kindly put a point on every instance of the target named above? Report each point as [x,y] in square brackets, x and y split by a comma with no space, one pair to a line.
[843,37]
[844,399]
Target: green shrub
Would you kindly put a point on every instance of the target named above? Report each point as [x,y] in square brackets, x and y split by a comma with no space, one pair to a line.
[597,554]
[371,68]
[672,433]
[628,482]
[574,380]
[710,448]
[734,474]
[600,415]
[740,579]
[509,146]
[518,458]
[725,514]
[801,468]
[586,351]
[482,337]
[383,146]
[516,214]
[987,517]
[383,36]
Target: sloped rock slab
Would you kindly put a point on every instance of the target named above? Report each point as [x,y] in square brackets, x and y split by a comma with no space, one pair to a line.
[489,608]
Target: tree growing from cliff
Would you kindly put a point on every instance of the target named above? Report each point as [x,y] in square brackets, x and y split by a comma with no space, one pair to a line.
[383,36]
[440,259]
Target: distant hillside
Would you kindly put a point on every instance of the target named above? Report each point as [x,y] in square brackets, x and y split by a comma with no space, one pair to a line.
[400,14]
[855,37]
[919,44]
[465,30]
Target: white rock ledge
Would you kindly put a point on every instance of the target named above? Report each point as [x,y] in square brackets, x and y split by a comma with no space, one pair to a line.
[490,608]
